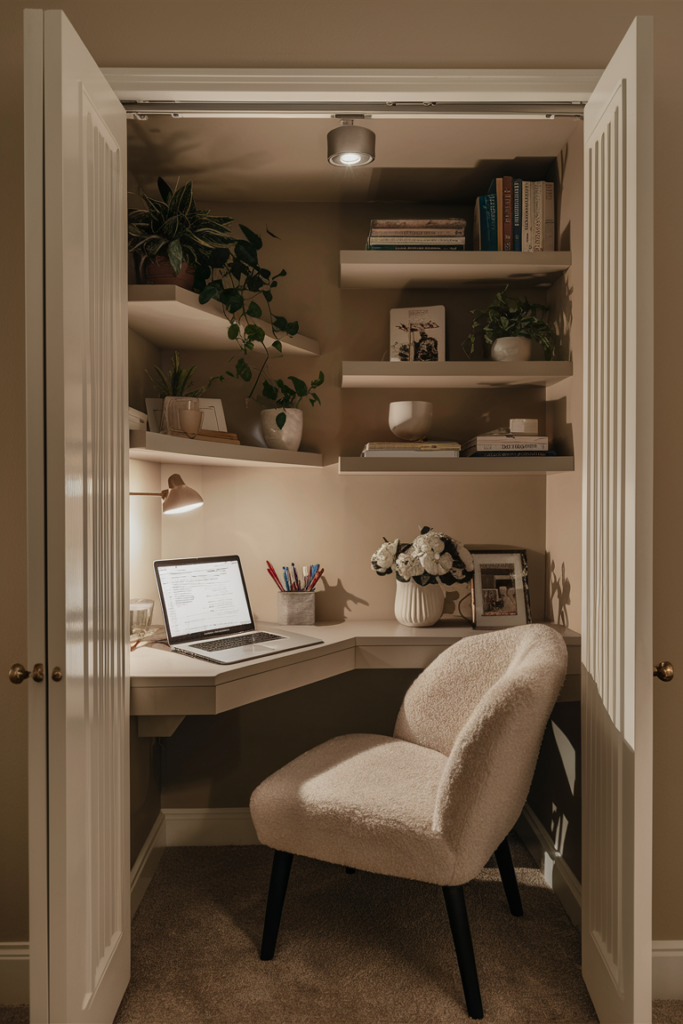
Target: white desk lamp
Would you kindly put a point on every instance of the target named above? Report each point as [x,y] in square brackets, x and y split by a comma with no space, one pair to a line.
[178,498]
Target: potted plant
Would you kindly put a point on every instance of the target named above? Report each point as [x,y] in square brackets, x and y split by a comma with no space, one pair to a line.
[509,326]
[173,238]
[173,387]
[283,425]
[429,559]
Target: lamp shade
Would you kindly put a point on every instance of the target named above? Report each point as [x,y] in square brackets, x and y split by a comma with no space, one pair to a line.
[350,145]
[179,497]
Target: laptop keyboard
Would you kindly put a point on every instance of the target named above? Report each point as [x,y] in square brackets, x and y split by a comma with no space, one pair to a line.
[236,641]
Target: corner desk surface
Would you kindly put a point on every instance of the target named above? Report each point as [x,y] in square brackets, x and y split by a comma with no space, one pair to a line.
[167,686]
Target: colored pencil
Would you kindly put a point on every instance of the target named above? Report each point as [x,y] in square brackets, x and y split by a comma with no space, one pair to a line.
[285,573]
[311,585]
[275,576]
[297,585]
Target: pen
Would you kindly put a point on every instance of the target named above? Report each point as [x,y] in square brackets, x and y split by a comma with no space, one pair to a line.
[285,573]
[275,576]
[306,577]
[297,585]
[311,585]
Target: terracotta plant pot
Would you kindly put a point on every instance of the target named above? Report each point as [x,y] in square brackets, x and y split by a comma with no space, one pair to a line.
[160,271]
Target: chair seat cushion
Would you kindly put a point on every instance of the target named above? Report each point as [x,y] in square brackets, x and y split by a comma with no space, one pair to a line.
[361,800]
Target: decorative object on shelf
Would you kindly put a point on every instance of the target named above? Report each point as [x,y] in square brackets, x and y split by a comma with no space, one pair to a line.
[176,385]
[190,416]
[430,559]
[411,449]
[417,335]
[141,609]
[178,497]
[282,426]
[512,320]
[173,237]
[506,442]
[213,418]
[136,420]
[501,589]
[410,420]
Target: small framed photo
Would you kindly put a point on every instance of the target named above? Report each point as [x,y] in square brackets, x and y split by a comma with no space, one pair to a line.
[213,419]
[501,589]
[417,335]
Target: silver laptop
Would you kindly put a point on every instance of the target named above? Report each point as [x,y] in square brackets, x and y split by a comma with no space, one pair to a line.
[207,612]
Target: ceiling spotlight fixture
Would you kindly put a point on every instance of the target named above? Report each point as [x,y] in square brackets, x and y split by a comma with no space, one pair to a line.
[350,145]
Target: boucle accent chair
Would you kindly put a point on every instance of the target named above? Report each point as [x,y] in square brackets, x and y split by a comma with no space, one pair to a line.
[437,799]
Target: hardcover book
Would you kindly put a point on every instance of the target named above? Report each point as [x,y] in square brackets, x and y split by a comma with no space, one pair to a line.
[428,222]
[485,224]
[417,334]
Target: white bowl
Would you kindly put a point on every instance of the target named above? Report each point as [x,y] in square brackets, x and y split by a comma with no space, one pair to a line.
[410,420]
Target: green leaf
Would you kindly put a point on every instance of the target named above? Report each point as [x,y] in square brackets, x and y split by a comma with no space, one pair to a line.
[268,296]
[293,328]
[270,391]
[246,253]
[281,419]
[165,190]
[175,255]
[280,323]
[233,331]
[283,273]
[251,236]
[319,380]
[299,386]
[277,345]
[268,231]
[208,293]
[254,310]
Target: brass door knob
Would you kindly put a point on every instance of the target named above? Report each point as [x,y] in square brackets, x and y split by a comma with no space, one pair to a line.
[664,671]
[57,674]
[18,673]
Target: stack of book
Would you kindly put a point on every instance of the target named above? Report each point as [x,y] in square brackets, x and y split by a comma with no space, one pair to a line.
[405,449]
[515,216]
[499,444]
[445,233]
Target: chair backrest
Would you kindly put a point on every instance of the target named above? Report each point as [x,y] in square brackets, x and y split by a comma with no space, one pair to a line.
[485,703]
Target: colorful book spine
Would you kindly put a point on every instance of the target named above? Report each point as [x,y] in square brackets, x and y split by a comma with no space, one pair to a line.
[527,209]
[485,223]
[417,248]
[507,214]
[537,221]
[517,215]
[507,455]
[454,240]
[456,232]
[548,216]
[412,223]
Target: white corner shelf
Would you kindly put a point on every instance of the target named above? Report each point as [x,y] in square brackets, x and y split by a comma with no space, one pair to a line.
[173,318]
[146,446]
[462,374]
[517,466]
[405,269]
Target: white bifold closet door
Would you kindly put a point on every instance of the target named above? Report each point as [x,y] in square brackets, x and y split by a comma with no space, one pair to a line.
[618,498]
[84,958]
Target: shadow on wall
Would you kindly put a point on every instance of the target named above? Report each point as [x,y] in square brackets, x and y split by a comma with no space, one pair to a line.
[333,602]
[559,591]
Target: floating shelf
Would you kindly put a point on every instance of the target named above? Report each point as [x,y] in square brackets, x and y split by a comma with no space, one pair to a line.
[464,467]
[454,374]
[404,269]
[172,318]
[146,446]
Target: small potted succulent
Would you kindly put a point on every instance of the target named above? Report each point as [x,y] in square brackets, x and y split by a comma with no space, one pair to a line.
[431,558]
[175,387]
[172,237]
[282,426]
[509,326]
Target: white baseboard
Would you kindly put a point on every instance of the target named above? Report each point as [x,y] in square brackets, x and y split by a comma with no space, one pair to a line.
[209,826]
[147,862]
[667,969]
[559,877]
[14,965]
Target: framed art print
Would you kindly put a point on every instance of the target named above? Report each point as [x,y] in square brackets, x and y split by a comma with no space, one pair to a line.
[213,419]
[501,589]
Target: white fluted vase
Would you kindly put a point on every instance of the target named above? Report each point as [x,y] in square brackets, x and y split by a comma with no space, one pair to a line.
[416,605]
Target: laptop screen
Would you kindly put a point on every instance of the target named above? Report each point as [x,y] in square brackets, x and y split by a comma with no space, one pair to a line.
[203,597]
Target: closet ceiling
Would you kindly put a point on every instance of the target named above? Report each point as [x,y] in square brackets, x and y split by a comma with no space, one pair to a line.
[285,159]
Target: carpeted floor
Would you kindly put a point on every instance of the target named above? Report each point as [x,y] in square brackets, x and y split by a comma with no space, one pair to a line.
[352,948]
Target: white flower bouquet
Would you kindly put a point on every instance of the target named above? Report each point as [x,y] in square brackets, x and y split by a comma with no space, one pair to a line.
[431,558]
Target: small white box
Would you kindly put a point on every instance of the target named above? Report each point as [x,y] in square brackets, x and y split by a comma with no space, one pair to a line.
[417,334]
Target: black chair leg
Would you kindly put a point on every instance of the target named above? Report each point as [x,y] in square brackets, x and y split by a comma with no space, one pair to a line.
[279,876]
[350,871]
[460,929]
[509,878]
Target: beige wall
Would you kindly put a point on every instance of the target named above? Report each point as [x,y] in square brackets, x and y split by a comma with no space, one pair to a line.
[308,33]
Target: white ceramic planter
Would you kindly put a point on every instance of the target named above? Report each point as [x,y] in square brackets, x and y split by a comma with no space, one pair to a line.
[511,350]
[289,438]
[410,420]
[416,605]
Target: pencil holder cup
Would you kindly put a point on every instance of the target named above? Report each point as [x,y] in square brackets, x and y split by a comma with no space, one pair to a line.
[296,608]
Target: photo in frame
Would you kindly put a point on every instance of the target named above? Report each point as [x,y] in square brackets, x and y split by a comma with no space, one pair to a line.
[501,589]
[213,418]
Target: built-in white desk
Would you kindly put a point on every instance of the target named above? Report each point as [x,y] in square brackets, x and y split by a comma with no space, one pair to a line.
[166,686]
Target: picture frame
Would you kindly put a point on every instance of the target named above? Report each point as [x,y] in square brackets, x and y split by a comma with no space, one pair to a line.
[214,416]
[417,334]
[500,589]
